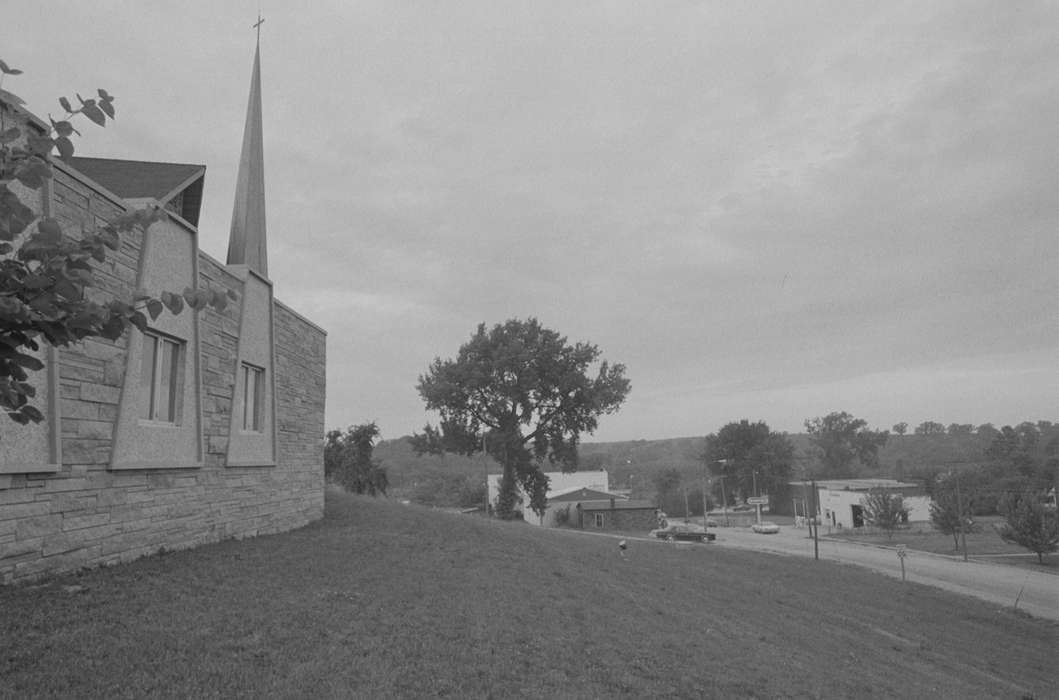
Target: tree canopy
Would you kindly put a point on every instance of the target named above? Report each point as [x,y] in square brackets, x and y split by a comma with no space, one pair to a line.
[348,460]
[745,454]
[524,395]
[841,440]
[1029,523]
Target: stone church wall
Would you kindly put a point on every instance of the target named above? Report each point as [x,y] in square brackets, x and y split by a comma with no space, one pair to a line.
[69,506]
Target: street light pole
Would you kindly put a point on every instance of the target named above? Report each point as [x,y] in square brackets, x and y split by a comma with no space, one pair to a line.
[486,455]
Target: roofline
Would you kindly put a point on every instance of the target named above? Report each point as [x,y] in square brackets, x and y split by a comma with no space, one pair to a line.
[199,172]
[197,175]
[73,172]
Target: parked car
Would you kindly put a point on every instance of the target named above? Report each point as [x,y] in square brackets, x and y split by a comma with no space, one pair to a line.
[765,527]
[683,531]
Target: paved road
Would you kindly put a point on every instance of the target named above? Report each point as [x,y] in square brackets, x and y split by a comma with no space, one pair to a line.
[1037,593]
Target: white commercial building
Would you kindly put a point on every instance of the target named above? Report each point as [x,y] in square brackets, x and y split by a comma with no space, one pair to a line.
[840,501]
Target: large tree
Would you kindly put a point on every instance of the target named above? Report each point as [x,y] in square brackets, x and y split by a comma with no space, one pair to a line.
[842,440]
[524,395]
[1029,523]
[748,455]
[348,460]
[46,274]
[950,511]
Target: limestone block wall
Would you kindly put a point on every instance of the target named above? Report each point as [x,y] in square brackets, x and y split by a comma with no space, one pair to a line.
[80,511]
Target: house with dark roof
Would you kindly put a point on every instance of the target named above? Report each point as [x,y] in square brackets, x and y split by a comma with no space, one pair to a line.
[624,515]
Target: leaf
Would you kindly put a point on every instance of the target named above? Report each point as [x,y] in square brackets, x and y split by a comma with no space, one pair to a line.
[65,146]
[232,295]
[8,70]
[33,173]
[189,296]
[139,320]
[63,128]
[28,361]
[115,326]
[107,105]
[174,302]
[94,113]
[154,308]
[40,145]
[10,135]
[32,413]
[65,104]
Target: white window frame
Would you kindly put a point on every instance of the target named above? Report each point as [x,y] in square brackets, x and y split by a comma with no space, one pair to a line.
[598,520]
[162,404]
[253,397]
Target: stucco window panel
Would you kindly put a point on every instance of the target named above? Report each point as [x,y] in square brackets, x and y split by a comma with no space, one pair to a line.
[160,414]
[252,430]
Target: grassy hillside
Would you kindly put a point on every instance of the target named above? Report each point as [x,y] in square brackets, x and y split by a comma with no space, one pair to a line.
[382,600]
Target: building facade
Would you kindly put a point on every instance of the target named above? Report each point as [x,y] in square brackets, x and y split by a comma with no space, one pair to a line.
[208,426]
[840,501]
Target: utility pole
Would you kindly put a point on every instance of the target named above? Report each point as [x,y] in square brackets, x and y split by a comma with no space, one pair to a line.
[724,500]
[814,524]
[959,511]
[486,455]
[704,497]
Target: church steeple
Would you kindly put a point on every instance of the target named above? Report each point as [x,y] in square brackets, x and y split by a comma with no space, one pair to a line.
[247,242]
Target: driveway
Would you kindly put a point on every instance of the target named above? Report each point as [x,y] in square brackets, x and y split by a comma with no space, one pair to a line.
[1035,593]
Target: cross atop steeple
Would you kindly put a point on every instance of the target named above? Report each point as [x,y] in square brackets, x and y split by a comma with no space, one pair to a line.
[247,242]
[257,26]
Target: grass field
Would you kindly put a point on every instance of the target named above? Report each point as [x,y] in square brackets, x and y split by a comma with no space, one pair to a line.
[984,544]
[381,600]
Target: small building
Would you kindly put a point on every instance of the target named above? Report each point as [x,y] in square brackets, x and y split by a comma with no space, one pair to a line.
[840,501]
[558,483]
[616,514]
[562,505]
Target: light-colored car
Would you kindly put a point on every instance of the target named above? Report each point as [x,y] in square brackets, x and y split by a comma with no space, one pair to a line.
[765,527]
[683,531]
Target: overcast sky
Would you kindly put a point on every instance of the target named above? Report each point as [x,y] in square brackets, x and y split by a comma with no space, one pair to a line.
[764,210]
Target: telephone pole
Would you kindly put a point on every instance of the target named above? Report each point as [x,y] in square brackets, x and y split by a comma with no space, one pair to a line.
[959,511]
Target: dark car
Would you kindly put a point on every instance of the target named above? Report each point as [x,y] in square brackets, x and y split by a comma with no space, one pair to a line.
[684,531]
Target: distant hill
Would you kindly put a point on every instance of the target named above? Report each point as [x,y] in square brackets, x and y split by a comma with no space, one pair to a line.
[632,464]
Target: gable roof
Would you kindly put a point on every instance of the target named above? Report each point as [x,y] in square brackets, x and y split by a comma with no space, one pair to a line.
[138,179]
[583,494]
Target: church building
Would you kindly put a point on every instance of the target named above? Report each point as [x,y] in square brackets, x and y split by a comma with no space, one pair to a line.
[209,426]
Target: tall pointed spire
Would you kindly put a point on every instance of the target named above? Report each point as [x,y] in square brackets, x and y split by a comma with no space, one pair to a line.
[247,242]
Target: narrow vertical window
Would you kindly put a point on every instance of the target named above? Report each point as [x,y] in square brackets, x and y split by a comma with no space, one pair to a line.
[160,378]
[253,398]
[599,520]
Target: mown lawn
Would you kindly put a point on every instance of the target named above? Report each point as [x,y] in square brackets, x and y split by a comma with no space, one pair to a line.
[983,544]
[380,600]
